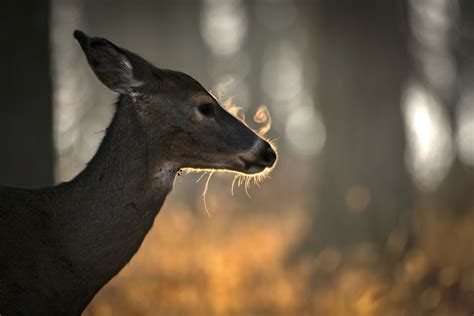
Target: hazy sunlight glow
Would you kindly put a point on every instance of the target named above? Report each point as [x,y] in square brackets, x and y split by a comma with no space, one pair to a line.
[430,147]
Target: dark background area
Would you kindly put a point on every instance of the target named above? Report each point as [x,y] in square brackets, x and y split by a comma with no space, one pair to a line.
[26,114]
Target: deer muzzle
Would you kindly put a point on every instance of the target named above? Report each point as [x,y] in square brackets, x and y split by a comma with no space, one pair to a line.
[258,158]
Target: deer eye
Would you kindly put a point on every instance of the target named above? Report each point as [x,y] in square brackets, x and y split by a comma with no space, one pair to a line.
[206,109]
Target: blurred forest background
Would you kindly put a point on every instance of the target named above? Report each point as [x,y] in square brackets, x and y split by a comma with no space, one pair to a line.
[371,208]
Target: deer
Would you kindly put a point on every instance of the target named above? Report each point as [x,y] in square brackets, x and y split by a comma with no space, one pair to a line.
[60,245]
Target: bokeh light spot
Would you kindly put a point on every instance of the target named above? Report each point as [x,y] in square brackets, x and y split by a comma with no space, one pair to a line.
[357,198]
[305,131]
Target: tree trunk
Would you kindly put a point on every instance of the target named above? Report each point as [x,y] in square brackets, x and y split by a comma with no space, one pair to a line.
[456,191]
[363,62]
[26,144]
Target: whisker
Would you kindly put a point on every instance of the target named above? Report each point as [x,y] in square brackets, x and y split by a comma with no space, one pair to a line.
[205,192]
[232,186]
[256,180]
[202,176]
[241,179]
[174,180]
[247,180]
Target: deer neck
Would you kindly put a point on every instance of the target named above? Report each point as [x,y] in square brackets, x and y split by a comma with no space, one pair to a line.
[112,204]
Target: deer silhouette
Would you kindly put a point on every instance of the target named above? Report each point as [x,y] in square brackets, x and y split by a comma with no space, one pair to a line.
[59,245]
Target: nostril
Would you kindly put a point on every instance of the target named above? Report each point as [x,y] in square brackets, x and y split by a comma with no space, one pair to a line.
[269,156]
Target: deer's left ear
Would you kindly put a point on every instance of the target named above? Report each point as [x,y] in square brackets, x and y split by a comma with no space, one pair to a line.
[117,68]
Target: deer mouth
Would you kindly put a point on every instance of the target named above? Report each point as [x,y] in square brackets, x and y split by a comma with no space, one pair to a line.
[251,167]
[257,164]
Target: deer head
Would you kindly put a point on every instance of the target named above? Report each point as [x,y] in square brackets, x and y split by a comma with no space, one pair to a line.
[184,124]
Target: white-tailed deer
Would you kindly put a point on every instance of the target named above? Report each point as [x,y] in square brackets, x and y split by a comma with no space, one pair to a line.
[59,245]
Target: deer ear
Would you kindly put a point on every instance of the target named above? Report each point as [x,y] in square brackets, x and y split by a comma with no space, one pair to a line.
[115,67]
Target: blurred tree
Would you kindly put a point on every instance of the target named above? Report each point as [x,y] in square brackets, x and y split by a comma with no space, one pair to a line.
[26,157]
[456,191]
[362,62]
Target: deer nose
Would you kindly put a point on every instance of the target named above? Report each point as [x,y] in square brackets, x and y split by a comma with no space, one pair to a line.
[269,156]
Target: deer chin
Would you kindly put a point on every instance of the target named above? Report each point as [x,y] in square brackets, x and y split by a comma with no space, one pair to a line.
[237,165]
